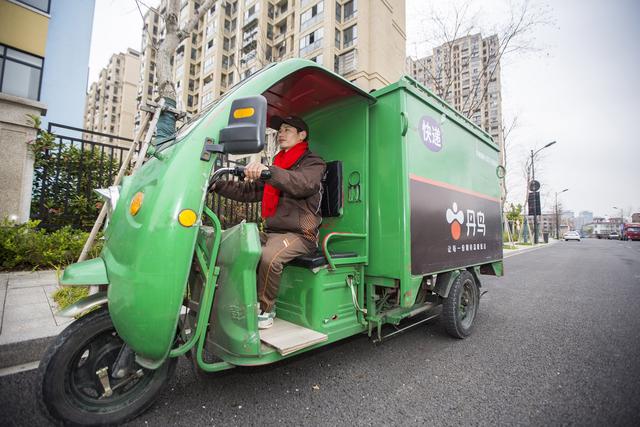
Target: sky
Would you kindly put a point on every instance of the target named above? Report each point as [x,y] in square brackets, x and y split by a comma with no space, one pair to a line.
[579,87]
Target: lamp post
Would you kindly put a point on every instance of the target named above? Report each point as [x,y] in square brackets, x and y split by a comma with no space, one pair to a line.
[621,226]
[533,178]
[621,218]
[558,214]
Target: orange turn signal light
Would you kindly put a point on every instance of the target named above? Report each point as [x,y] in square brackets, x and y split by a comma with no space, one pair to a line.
[243,113]
[187,217]
[136,203]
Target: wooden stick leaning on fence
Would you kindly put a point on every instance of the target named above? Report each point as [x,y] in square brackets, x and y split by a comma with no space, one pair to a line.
[116,181]
[147,139]
[123,168]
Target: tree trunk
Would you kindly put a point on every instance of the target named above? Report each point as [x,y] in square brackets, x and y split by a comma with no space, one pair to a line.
[173,36]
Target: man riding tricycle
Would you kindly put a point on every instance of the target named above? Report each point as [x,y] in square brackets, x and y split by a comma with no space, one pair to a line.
[379,208]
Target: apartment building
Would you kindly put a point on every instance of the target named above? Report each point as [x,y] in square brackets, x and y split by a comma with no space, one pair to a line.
[466,73]
[235,39]
[44,53]
[111,101]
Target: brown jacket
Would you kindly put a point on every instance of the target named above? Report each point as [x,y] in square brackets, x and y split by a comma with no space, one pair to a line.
[300,188]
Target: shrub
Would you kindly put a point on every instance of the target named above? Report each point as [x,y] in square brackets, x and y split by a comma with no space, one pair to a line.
[28,247]
[64,177]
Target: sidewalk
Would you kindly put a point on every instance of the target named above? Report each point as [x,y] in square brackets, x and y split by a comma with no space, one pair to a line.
[27,316]
[526,248]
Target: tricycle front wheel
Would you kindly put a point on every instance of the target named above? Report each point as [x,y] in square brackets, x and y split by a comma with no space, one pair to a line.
[461,306]
[72,376]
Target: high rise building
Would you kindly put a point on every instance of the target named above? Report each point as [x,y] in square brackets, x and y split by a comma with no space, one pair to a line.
[111,101]
[44,53]
[466,74]
[234,39]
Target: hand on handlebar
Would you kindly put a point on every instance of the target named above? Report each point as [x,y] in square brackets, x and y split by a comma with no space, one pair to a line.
[254,171]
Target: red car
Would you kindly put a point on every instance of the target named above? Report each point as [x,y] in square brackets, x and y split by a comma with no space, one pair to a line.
[631,231]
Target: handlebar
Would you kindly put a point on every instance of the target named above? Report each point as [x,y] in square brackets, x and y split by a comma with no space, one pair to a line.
[239,172]
[235,171]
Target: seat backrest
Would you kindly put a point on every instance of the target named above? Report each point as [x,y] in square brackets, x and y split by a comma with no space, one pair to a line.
[332,199]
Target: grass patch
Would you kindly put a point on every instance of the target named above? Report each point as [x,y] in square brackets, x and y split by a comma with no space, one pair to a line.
[68,295]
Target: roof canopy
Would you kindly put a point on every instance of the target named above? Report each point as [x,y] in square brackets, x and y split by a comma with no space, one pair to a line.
[309,89]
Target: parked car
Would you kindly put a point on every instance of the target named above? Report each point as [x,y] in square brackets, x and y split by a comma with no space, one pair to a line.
[571,235]
[613,236]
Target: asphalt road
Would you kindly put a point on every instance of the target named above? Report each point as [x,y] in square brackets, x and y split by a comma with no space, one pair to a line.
[556,341]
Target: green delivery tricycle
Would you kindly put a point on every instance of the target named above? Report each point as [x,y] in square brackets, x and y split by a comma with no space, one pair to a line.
[411,219]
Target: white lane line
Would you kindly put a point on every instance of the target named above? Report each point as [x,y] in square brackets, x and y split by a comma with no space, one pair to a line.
[19,368]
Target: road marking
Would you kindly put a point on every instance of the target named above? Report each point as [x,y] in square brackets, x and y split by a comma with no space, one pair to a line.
[19,368]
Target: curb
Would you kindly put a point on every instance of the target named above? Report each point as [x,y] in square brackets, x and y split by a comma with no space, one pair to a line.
[22,352]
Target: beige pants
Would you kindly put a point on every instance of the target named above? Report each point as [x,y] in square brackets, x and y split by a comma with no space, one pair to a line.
[277,250]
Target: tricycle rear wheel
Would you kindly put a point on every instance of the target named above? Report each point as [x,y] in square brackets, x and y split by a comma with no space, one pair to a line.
[68,388]
[461,306]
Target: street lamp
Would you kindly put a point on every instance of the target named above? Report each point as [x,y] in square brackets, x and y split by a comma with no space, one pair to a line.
[557,213]
[533,178]
[621,219]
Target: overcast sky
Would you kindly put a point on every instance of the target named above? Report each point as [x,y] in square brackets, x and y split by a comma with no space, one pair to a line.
[580,89]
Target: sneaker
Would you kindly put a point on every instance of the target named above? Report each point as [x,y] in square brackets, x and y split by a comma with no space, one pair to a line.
[265,319]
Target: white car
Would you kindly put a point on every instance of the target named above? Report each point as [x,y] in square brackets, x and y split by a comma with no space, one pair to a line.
[571,235]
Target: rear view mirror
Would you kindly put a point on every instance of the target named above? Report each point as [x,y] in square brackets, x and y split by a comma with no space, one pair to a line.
[245,133]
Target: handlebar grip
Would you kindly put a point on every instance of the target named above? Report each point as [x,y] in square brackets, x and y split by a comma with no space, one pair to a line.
[239,172]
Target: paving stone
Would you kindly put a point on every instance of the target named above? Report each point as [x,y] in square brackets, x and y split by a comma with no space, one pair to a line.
[25,296]
[29,282]
[14,326]
[30,334]
[14,315]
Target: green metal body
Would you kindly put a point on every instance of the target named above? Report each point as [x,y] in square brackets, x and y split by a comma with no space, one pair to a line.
[147,258]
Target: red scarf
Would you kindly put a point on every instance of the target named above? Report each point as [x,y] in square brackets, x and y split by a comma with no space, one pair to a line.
[284,159]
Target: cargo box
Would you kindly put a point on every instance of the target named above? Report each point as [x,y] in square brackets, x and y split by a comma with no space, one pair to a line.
[434,194]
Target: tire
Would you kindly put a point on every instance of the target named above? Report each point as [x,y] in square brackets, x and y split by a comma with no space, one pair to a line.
[460,308]
[68,390]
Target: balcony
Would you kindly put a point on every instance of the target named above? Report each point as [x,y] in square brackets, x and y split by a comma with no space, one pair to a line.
[311,47]
[348,62]
[311,22]
[249,21]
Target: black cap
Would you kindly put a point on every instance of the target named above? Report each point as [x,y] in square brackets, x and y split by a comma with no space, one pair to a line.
[295,121]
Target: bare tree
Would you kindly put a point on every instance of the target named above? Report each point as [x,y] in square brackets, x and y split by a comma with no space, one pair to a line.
[173,36]
[513,36]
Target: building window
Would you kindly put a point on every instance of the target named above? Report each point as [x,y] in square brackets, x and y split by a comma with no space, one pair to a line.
[350,9]
[338,37]
[350,36]
[338,12]
[311,16]
[317,59]
[311,42]
[42,5]
[20,73]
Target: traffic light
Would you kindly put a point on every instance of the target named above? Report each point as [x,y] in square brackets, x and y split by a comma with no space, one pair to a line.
[534,203]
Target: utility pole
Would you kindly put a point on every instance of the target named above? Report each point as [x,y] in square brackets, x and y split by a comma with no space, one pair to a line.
[533,178]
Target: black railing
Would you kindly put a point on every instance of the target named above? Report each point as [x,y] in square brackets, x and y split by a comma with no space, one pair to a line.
[68,169]
[76,162]
[231,212]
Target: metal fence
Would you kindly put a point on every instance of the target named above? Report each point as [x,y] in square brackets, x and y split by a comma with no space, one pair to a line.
[68,170]
[79,161]
[231,212]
